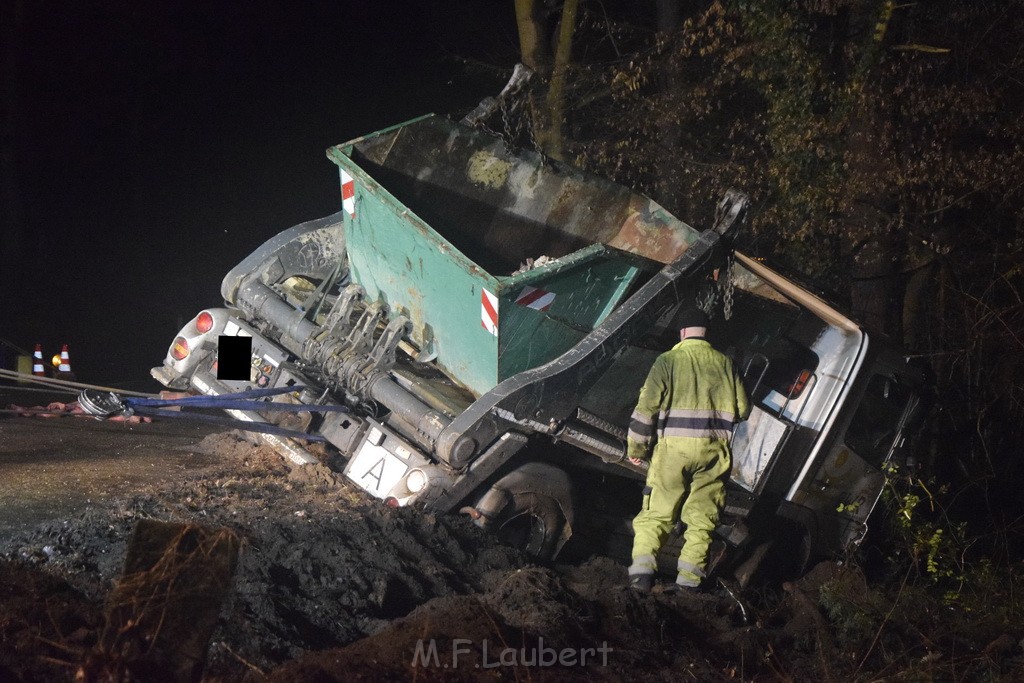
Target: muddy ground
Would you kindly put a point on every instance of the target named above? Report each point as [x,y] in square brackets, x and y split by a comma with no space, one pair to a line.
[331,585]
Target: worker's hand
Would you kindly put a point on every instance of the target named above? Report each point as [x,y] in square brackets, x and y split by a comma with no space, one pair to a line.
[637,461]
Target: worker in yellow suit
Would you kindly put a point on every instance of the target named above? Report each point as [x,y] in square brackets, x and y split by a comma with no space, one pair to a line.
[682,423]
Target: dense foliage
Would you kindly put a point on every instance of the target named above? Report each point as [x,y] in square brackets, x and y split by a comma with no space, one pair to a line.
[883,148]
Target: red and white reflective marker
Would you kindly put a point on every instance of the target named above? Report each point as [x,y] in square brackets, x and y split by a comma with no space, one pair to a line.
[489,312]
[534,298]
[65,360]
[348,193]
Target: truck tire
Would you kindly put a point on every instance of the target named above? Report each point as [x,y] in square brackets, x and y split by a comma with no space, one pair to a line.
[533,523]
[789,556]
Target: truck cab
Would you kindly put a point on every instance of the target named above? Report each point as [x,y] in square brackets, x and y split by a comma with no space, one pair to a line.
[834,407]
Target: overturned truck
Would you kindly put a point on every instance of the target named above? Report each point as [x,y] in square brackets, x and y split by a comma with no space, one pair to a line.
[488,318]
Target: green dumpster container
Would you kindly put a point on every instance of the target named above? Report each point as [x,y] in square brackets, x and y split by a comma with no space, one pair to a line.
[501,262]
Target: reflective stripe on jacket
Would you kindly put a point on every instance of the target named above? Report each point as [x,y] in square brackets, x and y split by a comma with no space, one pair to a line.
[691,392]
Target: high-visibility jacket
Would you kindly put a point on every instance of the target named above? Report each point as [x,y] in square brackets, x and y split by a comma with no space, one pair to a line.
[687,408]
[690,402]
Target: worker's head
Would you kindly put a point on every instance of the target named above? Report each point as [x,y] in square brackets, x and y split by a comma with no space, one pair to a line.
[693,322]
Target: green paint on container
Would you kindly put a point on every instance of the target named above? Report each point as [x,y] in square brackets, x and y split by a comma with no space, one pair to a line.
[445,217]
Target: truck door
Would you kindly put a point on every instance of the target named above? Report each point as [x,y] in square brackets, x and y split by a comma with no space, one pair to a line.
[850,479]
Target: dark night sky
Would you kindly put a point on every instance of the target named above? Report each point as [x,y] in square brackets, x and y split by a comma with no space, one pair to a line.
[157,144]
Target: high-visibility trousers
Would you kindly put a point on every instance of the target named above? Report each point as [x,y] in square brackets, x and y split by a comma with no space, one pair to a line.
[695,480]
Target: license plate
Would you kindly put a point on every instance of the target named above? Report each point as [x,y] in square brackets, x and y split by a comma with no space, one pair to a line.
[376,470]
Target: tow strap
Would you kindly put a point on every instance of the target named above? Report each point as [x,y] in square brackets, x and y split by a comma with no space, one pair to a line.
[103,405]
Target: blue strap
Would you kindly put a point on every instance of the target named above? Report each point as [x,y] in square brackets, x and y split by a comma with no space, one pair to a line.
[238,401]
[242,400]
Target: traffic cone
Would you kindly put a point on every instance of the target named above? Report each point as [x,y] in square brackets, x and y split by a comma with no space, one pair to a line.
[37,362]
[65,362]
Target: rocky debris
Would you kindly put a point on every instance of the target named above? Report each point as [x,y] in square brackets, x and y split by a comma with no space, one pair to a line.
[531,263]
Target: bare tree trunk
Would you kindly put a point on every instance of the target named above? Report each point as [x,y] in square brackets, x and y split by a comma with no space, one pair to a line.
[547,107]
[556,92]
[669,129]
[876,290]
[531,43]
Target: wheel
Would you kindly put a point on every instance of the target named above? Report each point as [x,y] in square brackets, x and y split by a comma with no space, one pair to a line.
[789,555]
[533,523]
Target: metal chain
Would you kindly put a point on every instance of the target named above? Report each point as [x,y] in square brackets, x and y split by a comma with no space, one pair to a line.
[507,132]
[533,139]
[515,116]
[482,125]
[727,285]
[706,298]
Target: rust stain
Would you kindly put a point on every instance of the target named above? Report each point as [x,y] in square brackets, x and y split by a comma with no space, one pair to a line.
[656,241]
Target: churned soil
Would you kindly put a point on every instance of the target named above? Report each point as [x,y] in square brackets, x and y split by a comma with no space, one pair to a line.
[321,565]
[330,584]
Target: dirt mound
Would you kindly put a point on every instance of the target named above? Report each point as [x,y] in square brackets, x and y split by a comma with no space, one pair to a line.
[332,585]
[542,624]
[321,564]
[324,569]
[45,625]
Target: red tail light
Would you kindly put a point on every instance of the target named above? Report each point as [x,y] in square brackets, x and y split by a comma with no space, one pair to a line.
[179,350]
[204,323]
[797,387]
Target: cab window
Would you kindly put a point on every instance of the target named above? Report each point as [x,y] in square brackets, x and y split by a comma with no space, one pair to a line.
[875,425]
